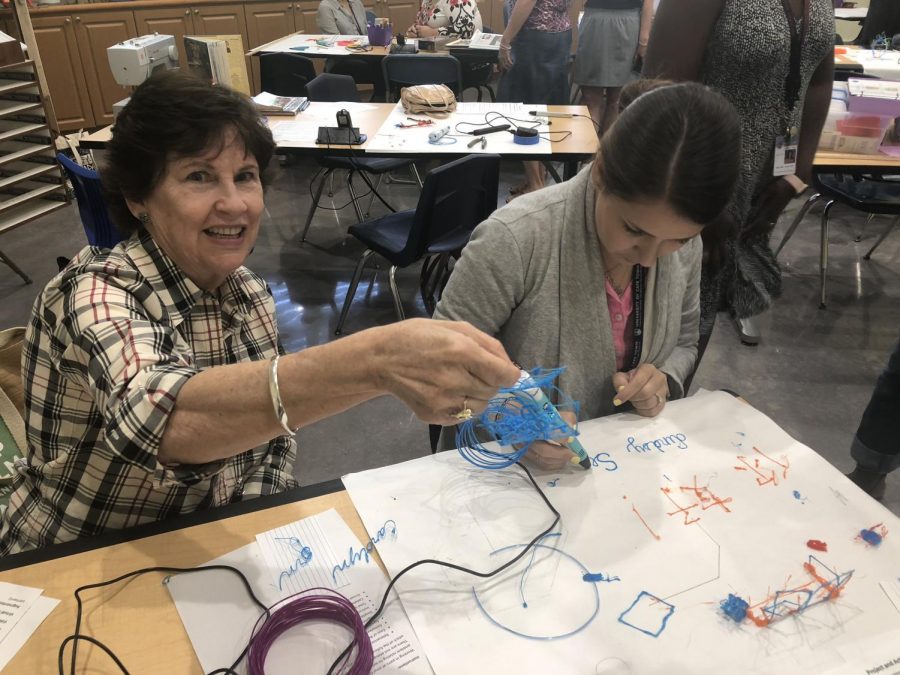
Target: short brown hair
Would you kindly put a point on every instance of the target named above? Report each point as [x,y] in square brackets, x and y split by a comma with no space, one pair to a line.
[174,114]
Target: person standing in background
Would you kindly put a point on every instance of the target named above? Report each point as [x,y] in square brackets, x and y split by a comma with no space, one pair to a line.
[533,60]
[876,446]
[773,60]
[612,43]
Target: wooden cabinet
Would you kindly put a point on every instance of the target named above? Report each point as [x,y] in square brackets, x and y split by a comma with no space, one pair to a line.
[402,13]
[266,21]
[58,47]
[96,32]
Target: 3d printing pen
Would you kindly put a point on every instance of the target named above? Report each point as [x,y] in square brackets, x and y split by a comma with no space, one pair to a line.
[546,113]
[580,454]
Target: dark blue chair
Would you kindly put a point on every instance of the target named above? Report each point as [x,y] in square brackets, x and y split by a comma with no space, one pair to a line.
[334,88]
[98,227]
[455,198]
[285,74]
[405,70]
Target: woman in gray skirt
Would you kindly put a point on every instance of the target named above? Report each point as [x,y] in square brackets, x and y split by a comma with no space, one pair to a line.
[612,39]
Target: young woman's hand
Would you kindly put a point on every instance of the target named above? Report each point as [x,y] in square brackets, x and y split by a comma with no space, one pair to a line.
[646,387]
[549,455]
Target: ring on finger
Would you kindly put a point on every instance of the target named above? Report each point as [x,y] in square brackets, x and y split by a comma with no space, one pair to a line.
[465,412]
[660,400]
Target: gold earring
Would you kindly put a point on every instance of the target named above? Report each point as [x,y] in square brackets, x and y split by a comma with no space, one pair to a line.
[144,217]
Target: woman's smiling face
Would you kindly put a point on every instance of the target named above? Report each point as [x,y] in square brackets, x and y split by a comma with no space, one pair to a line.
[205,212]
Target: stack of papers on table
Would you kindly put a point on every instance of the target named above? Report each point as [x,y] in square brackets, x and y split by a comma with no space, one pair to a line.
[22,609]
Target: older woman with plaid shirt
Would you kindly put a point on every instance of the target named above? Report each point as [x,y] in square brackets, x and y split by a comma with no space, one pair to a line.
[154,381]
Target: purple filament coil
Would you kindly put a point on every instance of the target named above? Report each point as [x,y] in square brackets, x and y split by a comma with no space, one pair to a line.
[314,604]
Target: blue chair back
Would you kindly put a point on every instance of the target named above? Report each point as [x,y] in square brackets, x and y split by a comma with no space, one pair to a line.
[285,74]
[404,70]
[455,198]
[370,17]
[332,88]
[98,226]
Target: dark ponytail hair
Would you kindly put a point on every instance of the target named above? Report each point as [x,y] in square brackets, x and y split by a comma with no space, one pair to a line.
[675,143]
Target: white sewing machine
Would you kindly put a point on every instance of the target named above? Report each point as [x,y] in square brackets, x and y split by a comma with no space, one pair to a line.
[135,60]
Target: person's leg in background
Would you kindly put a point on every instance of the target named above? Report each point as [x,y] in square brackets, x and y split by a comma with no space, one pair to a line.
[876,446]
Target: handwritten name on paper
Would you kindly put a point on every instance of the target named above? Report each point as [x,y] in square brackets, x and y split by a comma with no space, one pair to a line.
[304,555]
[672,440]
[356,555]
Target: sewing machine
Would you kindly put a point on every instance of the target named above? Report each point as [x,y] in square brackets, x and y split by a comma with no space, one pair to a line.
[135,60]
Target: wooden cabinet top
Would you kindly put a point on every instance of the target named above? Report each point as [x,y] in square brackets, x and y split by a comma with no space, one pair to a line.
[49,10]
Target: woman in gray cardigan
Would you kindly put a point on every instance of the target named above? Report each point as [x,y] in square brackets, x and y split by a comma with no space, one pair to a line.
[601,274]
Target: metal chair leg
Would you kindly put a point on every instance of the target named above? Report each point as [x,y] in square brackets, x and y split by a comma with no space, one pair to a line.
[372,196]
[396,293]
[799,217]
[353,197]
[15,268]
[351,290]
[823,253]
[883,236]
[315,205]
[859,234]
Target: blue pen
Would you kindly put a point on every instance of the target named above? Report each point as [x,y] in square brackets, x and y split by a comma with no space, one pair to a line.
[580,455]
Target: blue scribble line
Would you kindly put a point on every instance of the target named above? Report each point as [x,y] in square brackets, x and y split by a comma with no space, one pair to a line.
[304,556]
[599,576]
[528,569]
[665,619]
[827,589]
[354,556]
[552,483]
[543,637]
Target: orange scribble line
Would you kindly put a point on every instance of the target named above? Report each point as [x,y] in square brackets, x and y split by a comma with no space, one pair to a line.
[649,529]
[785,466]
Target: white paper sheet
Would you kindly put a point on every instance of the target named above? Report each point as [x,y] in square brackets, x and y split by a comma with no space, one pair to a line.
[15,601]
[18,635]
[467,117]
[309,44]
[304,127]
[711,498]
[219,616]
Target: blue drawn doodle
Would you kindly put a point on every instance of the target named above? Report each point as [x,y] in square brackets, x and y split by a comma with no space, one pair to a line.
[354,556]
[735,608]
[304,556]
[677,440]
[870,536]
[527,571]
[517,417]
[599,576]
[644,596]
[552,483]
[796,600]
[800,498]
[541,637]
[609,464]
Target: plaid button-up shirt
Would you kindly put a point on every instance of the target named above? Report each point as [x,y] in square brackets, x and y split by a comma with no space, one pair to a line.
[112,340]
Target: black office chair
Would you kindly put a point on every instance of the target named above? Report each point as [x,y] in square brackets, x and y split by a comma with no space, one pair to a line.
[285,74]
[404,70]
[455,198]
[334,88]
[477,71]
[870,194]
[883,17]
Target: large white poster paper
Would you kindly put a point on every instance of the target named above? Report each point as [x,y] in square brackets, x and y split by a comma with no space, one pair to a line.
[709,499]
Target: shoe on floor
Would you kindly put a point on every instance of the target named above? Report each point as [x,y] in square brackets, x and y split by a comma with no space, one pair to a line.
[748,330]
[874,483]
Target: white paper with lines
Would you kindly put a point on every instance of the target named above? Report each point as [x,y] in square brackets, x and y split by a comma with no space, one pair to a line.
[319,551]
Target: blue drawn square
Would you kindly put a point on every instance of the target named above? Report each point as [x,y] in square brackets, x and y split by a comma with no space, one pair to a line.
[647,614]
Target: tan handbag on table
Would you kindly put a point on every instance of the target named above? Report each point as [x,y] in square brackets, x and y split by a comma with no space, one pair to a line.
[432,99]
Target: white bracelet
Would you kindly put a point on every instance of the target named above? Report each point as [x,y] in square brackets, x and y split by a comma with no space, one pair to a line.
[275,395]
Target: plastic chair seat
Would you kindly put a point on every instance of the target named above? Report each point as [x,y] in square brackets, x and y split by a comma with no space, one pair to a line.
[869,195]
[388,235]
[98,227]
[375,165]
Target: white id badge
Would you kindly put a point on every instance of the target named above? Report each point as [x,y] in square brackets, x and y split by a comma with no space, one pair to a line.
[785,155]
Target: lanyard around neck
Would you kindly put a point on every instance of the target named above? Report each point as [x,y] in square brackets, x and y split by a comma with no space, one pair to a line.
[798,37]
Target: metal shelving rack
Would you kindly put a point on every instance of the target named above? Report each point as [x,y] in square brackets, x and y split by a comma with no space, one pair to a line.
[31,181]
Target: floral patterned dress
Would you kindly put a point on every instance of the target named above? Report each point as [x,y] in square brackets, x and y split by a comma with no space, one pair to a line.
[450,17]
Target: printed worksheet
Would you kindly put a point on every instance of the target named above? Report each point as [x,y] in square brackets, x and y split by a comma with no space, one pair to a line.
[317,552]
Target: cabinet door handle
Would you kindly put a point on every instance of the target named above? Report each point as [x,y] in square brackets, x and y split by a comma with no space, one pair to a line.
[68,20]
[77,18]
[196,12]
[187,12]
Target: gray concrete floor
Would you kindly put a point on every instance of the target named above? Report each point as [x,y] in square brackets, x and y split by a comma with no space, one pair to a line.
[813,373]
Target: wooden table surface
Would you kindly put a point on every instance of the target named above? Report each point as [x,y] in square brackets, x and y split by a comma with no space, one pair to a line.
[137,618]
